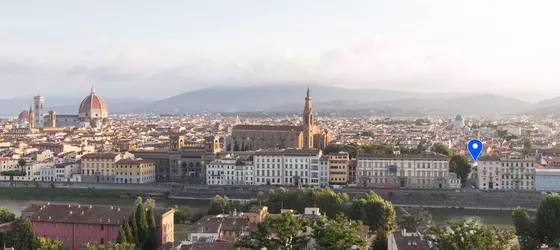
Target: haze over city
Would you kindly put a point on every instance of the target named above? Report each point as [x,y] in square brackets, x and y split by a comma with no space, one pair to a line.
[157,50]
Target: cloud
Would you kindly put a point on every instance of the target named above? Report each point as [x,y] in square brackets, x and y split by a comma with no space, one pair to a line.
[379,62]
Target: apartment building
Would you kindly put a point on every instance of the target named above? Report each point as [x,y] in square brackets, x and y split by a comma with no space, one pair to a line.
[324,171]
[427,170]
[506,173]
[99,167]
[138,171]
[488,172]
[288,167]
[230,171]
[338,168]
[518,173]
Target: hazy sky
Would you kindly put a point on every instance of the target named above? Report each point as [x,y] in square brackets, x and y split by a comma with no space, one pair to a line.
[162,48]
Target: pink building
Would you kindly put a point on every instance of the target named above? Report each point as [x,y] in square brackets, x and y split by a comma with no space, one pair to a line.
[76,225]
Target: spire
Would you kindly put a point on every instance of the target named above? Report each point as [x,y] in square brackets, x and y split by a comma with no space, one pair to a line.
[92,90]
[308,91]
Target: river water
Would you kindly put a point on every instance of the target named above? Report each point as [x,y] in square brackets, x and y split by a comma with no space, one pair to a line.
[440,215]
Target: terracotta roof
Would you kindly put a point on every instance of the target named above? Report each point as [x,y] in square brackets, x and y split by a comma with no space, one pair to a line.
[433,156]
[100,155]
[135,161]
[269,127]
[85,214]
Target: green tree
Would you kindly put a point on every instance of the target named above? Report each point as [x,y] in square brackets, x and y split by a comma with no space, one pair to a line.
[412,217]
[470,235]
[22,163]
[152,240]
[288,234]
[442,149]
[548,220]
[43,243]
[6,215]
[460,163]
[218,205]
[142,224]
[525,230]
[22,235]
[121,237]
[128,236]
[337,234]
[134,228]
[125,246]
[380,241]
[528,143]
[374,211]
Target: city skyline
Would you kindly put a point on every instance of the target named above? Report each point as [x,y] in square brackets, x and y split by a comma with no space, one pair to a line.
[129,49]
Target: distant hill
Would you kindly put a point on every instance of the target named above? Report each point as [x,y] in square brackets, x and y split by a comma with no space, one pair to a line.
[290,98]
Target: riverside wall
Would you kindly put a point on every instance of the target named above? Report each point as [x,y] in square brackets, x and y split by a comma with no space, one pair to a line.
[436,198]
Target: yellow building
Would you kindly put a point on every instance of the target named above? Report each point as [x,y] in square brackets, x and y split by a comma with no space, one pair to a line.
[338,168]
[99,167]
[135,171]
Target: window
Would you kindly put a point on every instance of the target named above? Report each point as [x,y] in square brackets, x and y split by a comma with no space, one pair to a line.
[102,241]
[114,228]
[102,229]
[89,227]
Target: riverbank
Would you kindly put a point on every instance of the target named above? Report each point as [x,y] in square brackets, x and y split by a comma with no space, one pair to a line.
[46,193]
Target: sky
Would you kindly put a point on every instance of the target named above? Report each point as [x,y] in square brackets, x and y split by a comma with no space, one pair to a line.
[154,49]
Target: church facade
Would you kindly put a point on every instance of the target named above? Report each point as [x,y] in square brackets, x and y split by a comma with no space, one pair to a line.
[255,137]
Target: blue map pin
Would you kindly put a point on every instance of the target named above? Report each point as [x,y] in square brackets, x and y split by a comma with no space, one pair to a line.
[475,148]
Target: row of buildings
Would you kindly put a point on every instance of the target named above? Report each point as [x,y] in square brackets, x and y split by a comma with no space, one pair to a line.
[300,167]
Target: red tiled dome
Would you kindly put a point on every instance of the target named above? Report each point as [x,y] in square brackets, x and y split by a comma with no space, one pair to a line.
[24,115]
[93,105]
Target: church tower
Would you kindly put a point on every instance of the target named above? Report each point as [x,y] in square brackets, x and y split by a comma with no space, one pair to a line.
[39,118]
[308,122]
[31,119]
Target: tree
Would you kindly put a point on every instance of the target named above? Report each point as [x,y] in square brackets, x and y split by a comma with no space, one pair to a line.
[339,233]
[442,149]
[22,163]
[548,220]
[6,215]
[470,235]
[134,228]
[528,143]
[525,230]
[218,205]
[142,225]
[380,241]
[125,246]
[374,211]
[22,235]
[128,236]
[412,217]
[43,243]
[152,240]
[288,234]
[461,165]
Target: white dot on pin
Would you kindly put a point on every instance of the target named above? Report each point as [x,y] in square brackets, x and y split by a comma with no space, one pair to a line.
[475,146]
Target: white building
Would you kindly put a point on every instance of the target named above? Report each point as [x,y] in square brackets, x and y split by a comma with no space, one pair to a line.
[288,167]
[324,171]
[488,172]
[230,171]
[518,173]
[428,170]
[7,164]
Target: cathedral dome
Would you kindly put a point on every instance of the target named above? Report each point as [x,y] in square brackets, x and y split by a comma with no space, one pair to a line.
[23,116]
[459,118]
[93,107]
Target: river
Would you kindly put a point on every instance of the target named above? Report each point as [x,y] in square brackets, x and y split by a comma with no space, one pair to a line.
[440,215]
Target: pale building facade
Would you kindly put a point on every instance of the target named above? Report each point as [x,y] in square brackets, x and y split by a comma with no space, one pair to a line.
[138,171]
[289,167]
[518,173]
[428,170]
[99,167]
[230,171]
[488,173]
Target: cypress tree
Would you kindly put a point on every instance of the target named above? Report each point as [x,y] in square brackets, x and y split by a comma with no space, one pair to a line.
[121,237]
[134,228]
[128,231]
[142,224]
[151,218]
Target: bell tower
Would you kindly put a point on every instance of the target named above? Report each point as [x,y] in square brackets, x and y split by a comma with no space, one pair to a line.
[308,122]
